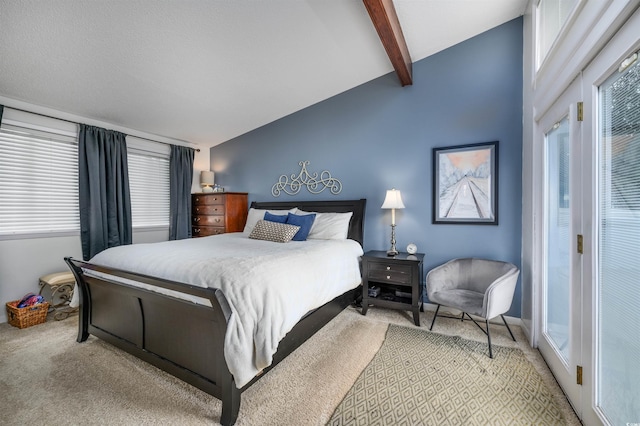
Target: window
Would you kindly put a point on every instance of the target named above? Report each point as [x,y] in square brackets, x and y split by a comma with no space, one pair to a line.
[551,16]
[39,178]
[148,183]
[38,181]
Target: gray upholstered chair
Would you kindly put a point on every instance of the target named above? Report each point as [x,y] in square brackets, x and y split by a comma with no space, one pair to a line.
[479,287]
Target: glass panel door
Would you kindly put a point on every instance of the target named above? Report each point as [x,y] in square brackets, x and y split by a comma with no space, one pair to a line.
[557,283]
[618,277]
[560,342]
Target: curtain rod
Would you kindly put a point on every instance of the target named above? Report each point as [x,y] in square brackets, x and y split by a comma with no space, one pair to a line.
[75,122]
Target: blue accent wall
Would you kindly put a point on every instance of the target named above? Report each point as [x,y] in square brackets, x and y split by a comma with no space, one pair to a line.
[380,135]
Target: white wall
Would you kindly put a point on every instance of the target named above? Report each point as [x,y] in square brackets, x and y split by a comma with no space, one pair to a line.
[23,261]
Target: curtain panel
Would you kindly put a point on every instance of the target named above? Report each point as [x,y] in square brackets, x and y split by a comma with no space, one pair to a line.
[105,202]
[180,178]
[1,111]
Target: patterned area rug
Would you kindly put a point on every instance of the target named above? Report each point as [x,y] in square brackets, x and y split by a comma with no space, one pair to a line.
[424,378]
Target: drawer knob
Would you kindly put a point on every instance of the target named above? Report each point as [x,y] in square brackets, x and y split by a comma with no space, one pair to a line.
[218,219]
[196,230]
[388,277]
[197,199]
[388,268]
[197,219]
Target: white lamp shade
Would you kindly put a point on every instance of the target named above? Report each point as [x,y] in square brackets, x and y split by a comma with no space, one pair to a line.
[393,200]
[206,178]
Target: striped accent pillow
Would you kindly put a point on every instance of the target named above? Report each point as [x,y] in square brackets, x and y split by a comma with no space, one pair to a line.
[273,231]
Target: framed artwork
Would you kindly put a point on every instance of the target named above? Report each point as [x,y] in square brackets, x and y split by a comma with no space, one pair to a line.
[465,184]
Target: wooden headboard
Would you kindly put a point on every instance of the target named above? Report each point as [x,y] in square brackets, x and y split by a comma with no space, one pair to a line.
[356,226]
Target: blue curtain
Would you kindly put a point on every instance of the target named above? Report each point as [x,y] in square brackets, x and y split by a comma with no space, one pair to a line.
[180,177]
[105,203]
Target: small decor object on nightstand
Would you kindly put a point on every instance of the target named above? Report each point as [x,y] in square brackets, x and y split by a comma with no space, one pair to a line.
[393,201]
[412,248]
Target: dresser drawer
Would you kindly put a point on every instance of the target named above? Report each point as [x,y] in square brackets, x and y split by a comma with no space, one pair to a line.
[387,272]
[204,209]
[207,199]
[205,231]
[207,220]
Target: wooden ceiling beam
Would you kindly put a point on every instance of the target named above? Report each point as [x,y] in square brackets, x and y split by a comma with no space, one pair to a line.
[384,18]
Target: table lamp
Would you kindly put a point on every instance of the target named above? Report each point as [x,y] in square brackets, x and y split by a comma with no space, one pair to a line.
[393,201]
[206,180]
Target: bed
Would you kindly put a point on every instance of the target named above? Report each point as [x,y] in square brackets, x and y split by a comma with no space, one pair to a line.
[165,325]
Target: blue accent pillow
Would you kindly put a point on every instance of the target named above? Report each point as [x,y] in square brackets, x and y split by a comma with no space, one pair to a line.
[304,222]
[279,218]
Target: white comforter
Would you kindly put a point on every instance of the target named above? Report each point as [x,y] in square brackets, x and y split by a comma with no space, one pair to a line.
[269,286]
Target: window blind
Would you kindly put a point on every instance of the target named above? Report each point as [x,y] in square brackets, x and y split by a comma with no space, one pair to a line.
[149,187]
[38,181]
[618,253]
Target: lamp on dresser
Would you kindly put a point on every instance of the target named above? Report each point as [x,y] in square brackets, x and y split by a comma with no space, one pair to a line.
[206,180]
[393,201]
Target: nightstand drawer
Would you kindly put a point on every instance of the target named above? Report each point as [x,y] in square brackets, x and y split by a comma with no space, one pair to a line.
[208,209]
[392,276]
[389,267]
[207,220]
[208,199]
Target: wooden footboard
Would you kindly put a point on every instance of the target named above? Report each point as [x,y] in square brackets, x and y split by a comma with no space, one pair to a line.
[180,337]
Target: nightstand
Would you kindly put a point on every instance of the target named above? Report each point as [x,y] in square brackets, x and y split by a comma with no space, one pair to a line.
[397,280]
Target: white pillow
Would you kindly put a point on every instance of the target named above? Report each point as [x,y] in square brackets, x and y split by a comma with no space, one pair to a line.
[255,215]
[329,226]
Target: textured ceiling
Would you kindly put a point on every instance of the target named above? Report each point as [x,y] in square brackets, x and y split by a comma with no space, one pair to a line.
[206,71]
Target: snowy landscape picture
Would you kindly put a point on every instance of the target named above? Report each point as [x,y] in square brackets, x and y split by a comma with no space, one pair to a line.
[465,181]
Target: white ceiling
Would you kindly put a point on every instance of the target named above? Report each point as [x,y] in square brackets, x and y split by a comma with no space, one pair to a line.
[206,71]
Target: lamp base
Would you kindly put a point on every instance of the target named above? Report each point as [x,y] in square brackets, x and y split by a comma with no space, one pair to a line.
[207,189]
[393,251]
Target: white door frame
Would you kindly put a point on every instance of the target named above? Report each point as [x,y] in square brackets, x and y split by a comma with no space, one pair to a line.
[625,42]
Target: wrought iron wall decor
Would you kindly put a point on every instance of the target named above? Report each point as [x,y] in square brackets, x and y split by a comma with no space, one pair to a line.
[315,183]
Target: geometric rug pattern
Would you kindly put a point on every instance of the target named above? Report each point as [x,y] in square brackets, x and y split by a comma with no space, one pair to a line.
[424,378]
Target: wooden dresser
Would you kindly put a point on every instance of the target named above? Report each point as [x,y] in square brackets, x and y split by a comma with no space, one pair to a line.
[218,212]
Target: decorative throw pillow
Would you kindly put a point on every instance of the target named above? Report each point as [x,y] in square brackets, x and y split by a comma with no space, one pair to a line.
[280,218]
[273,231]
[304,222]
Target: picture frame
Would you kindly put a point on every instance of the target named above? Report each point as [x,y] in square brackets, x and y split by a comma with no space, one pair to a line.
[465,184]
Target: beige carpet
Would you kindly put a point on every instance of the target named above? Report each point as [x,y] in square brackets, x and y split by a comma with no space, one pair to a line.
[45,376]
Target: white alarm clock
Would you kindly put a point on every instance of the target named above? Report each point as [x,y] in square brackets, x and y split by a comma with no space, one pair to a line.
[412,248]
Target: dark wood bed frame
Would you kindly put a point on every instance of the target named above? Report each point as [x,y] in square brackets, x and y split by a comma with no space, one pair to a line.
[186,339]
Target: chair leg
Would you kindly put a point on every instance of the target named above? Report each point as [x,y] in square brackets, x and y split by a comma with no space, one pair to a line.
[505,323]
[489,339]
[434,317]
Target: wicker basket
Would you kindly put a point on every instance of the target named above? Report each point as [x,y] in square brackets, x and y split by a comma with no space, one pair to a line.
[27,316]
